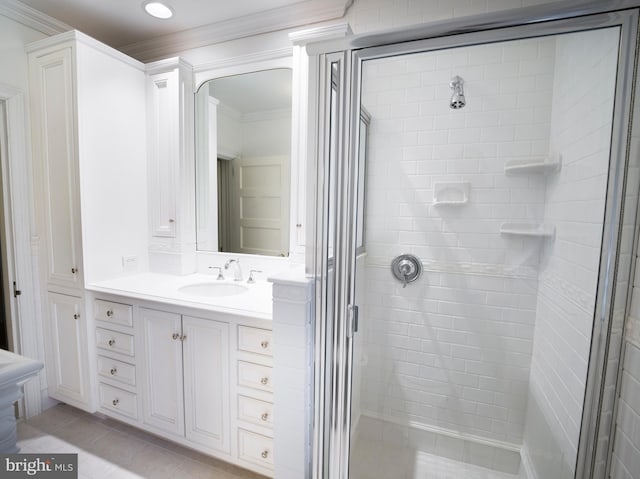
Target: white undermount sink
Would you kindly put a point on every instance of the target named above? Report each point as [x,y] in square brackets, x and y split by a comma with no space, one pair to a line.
[213,290]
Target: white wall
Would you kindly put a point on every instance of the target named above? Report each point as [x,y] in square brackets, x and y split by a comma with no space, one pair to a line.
[266,134]
[453,350]
[112,149]
[13,58]
[584,83]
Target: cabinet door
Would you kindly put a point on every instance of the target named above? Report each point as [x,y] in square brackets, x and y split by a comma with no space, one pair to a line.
[66,341]
[161,361]
[164,152]
[55,164]
[206,382]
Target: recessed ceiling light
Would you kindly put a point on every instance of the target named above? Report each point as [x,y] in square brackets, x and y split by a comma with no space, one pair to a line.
[158,10]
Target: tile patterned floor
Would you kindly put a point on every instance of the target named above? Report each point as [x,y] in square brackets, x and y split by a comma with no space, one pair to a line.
[375,460]
[108,449]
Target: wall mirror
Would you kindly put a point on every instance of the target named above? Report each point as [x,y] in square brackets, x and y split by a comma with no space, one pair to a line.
[243,163]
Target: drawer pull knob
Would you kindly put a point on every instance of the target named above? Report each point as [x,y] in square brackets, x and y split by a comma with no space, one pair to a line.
[183,337]
[76,316]
[264,344]
[175,336]
[264,416]
[264,381]
[264,454]
[115,401]
[113,371]
[74,270]
[112,342]
[109,313]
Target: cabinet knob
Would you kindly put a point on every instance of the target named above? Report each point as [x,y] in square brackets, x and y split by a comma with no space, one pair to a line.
[109,312]
[115,401]
[175,336]
[264,344]
[264,381]
[112,342]
[264,416]
[76,316]
[171,220]
[264,454]
[183,337]
[74,270]
[113,371]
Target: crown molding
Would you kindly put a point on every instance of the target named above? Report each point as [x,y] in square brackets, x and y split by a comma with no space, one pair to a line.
[303,13]
[326,32]
[32,18]
[79,37]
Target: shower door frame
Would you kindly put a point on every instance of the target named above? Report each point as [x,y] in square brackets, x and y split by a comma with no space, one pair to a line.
[336,321]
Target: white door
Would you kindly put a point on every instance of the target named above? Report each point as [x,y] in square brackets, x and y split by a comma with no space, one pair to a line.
[65,342]
[206,382]
[161,368]
[260,210]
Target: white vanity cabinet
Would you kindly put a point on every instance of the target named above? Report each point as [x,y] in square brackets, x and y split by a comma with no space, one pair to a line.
[200,378]
[185,368]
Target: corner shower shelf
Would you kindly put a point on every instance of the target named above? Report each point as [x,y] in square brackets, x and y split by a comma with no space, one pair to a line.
[533,167]
[537,230]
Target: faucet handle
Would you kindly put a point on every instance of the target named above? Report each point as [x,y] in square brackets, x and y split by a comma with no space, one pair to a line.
[251,280]
[220,275]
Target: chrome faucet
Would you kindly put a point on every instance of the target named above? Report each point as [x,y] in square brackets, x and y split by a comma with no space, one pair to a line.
[237,275]
[220,275]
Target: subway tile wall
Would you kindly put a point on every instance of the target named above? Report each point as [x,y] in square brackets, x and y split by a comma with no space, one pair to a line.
[581,123]
[453,350]
[626,456]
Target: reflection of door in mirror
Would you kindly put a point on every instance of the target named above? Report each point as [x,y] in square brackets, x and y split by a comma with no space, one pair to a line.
[243,156]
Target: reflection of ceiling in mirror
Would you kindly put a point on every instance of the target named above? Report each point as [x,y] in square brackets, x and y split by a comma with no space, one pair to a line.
[253,92]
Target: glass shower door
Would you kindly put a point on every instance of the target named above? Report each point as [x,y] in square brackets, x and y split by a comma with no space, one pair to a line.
[497,165]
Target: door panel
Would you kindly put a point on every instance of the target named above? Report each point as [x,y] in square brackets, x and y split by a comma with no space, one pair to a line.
[206,382]
[161,361]
[65,343]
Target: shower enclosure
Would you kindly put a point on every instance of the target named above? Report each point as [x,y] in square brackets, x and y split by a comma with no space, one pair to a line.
[475,231]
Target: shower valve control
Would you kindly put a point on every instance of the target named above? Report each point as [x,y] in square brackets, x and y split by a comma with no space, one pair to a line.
[406,268]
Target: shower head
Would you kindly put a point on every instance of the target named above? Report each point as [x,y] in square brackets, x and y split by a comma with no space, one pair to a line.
[457,99]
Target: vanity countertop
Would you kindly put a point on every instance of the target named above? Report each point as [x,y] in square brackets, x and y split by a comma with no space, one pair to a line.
[165,288]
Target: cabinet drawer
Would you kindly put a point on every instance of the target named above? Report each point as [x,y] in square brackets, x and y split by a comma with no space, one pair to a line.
[255,448]
[255,376]
[255,411]
[117,370]
[254,340]
[114,341]
[111,312]
[118,400]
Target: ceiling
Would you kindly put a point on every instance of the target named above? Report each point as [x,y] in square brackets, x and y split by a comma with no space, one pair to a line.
[119,23]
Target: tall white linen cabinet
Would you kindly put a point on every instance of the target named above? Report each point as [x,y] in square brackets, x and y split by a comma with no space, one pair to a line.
[89,164]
